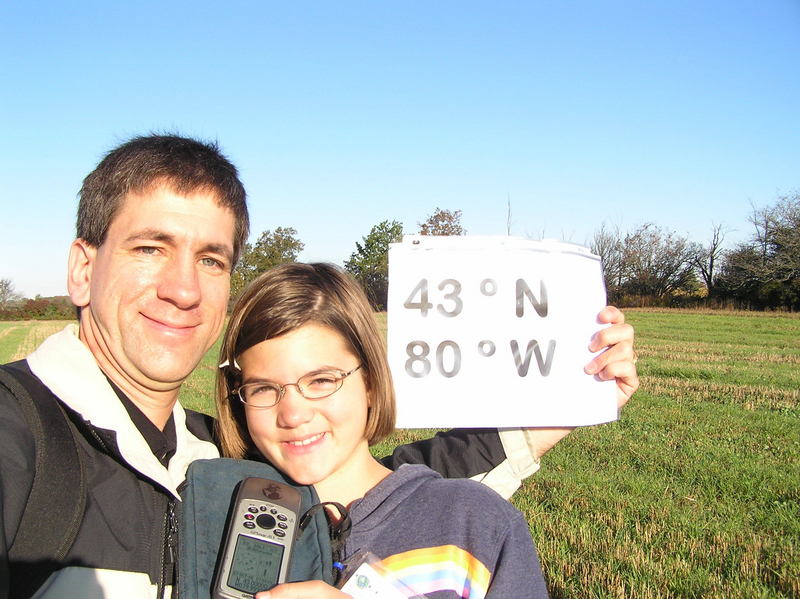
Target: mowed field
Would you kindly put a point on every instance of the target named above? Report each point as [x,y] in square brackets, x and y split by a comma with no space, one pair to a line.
[694,492]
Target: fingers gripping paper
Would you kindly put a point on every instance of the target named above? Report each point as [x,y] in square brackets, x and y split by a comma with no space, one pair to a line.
[494,331]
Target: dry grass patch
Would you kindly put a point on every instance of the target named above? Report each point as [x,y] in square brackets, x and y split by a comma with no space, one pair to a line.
[37,333]
[749,397]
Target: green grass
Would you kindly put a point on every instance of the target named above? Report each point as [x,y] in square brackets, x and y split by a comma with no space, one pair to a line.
[197,392]
[19,338]
[694,492]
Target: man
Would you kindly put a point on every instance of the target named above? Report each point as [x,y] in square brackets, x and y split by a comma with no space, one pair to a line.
[161,222]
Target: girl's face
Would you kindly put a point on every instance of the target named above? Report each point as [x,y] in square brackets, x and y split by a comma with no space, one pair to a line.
[314,441]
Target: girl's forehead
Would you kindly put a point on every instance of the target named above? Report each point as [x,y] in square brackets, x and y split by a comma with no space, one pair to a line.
[303,349]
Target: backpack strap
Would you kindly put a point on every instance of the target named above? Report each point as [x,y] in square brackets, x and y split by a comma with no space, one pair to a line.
[55,507]
[338,531]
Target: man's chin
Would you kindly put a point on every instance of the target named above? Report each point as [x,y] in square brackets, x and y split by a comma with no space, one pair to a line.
[166,375]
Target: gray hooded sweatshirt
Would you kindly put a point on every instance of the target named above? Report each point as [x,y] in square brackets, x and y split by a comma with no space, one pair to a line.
[447,538]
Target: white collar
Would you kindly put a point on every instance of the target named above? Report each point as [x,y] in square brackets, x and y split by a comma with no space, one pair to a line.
[67,367]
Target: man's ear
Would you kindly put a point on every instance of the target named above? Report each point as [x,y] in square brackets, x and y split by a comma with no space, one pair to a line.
[79,272]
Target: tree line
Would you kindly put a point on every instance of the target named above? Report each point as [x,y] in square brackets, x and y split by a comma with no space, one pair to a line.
[653,266]
[15,307]
[646,266]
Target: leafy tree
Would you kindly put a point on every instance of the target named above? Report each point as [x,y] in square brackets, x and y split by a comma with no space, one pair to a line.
[271,249]
[740,272]
[442,222]
[8,294]
[40,308]
[783,239]
[764,272]
[647,262]
[369,264]
[656,262]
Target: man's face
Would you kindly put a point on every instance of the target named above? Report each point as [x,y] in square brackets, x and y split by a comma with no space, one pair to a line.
[154,294]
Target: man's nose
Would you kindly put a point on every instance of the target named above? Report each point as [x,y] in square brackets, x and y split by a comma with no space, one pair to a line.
[180,282]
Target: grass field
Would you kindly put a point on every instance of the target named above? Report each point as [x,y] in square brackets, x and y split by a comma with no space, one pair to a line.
[694,492]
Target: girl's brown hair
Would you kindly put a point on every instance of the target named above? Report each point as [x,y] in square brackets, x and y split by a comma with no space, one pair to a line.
[284,299]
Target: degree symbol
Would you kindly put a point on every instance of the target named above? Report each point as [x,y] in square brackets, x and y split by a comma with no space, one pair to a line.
[486,348]
[488,287]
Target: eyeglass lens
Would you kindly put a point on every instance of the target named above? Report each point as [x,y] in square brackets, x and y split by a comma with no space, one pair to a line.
[312,386]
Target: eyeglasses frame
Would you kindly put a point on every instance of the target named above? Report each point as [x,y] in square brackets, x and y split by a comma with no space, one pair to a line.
[282,388]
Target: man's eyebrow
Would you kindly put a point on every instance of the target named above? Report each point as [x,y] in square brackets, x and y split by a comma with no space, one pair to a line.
[151,235]
[164,237]
[218,248]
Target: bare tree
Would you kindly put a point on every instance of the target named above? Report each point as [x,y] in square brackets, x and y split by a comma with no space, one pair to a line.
[762,221]
[607,243]
[7,293]
[708,257]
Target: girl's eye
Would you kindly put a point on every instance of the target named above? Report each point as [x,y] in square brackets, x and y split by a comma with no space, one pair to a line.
[260,395]
[260,389]
[322,380]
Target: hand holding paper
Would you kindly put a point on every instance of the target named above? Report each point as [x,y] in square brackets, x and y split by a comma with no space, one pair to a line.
[617,363]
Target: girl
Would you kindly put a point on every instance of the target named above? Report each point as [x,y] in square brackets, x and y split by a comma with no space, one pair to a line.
[310,390]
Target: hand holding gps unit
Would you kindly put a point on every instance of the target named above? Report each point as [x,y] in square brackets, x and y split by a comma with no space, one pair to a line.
[257,546]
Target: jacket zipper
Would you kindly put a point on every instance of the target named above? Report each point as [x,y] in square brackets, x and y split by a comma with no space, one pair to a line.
[170,553]
[103,445]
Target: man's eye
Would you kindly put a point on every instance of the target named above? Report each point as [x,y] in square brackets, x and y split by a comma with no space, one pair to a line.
[147,250]
[211,263]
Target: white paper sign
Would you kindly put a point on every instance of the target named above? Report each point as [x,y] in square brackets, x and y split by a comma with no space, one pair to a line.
[494,332]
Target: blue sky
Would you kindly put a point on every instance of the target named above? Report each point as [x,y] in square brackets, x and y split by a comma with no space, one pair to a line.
[343,114]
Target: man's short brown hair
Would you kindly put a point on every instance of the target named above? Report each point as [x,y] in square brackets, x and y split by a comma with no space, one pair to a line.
[181,164]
